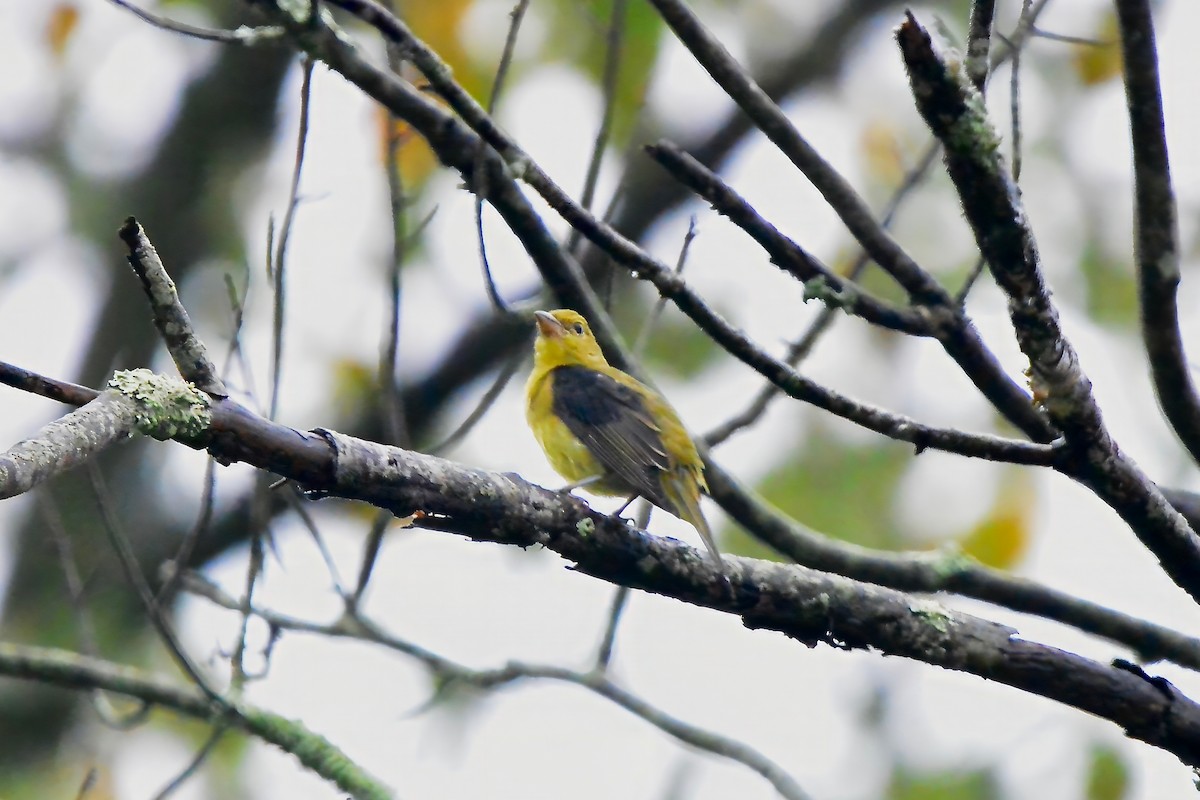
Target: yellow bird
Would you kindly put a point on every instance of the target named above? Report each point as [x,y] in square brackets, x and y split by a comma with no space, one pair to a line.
[606,431]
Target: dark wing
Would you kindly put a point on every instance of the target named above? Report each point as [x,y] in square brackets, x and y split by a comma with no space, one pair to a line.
[614,424]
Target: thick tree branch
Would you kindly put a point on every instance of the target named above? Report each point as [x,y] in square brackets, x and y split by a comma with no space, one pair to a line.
[67,442]
[946,572]
[808,605]
[1157,235]
[991,203]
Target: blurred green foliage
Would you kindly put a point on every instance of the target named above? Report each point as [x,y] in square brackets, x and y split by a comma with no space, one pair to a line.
[951,785]
[842,489]
[1108,776]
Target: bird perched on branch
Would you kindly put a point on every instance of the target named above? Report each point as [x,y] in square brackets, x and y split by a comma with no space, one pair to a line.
[606,431]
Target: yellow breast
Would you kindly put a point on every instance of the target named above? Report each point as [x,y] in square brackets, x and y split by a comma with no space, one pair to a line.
[569,456]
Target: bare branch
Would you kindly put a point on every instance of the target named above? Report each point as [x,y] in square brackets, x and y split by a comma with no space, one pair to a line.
[1156,228]
[170,317]
[479,176]
[197,761]
[243,35]
[809,606]
[614,38]
[826,285]
[277,265]
[979,41]
[800,349]
[63,391]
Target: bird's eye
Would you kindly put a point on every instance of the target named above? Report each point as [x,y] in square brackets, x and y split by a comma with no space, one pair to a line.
[579,328]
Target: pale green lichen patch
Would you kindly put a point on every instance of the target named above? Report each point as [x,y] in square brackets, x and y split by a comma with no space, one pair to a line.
[937,615]
[819,288]
[167,407]
[949,561]
[585,527]
[973,131]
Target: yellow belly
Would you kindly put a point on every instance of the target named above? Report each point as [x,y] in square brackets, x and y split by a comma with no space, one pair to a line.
[569,456]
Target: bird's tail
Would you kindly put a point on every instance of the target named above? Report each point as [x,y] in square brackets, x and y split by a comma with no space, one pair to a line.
[684,494]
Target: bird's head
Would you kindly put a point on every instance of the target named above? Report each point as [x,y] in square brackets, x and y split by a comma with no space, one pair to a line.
[564,338]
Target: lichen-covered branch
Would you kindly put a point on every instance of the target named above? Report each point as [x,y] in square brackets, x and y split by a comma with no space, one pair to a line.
[807,605]
[954,111]
[73,671]
[66,442]
[136,402]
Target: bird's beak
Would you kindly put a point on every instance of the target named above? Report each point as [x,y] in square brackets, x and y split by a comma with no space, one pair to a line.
[547,325]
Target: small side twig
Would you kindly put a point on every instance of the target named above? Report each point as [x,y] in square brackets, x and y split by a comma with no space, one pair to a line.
[480,176]
[170,317]
[193,766]
[278,262]
[242,36]
[979,41]
[613,40]
[831,288]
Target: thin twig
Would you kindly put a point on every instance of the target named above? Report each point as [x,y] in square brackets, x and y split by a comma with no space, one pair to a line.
[295,500]
[193,766]
[394,418]
[480,174]
[136,578]
[643,339]
[279,260]
[379,526]
[979,41]
[616,609]
[88,642]
[183,556]
[610,76]
[241,36]
[513,365]
[1156,228]
[254,568]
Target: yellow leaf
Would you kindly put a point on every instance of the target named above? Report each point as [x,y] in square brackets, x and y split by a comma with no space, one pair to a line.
[63,20]
[1100,62]
[883,154]
[1001,539]
[414,159]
